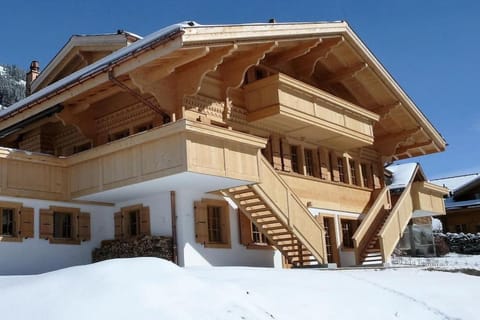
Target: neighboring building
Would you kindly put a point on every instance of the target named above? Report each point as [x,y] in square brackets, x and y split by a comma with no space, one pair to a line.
[462,204]
[244,143]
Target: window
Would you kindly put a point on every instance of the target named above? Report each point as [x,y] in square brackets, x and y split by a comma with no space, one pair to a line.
[294,159]
[7,222]
[82,147]
[348,229]
[118,135]
[364,173]
[251,236]
[132,221]
[212,225]
[341,170]
[353,172]
[16,222]
[309,162]
[64,225]
[143,127]
[460,228]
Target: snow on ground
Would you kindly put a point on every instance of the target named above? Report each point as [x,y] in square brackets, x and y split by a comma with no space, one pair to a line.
[449,261]
[149,288]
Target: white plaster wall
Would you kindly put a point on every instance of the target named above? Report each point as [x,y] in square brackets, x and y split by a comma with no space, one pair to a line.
[37,255]
[195,254]
[160,212]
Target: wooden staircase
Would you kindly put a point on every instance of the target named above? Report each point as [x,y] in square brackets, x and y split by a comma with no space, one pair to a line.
[277,232]
[281,216]
[372,255]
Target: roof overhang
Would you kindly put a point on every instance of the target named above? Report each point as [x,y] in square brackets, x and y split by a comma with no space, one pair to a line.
[343,66]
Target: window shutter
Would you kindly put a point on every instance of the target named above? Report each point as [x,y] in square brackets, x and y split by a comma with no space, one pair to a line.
[84,226]
[201,226]
[118,220]
[46,224]
[26,223]
[245,229]
[144,221]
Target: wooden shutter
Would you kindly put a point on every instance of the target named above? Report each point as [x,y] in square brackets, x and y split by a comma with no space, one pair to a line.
[144,221]
[276,154]
[46,224]
[118,220]
[245,226]
[26,223]
[201,223]
[84,233]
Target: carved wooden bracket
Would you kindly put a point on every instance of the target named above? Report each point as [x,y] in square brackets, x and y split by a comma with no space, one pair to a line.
[286,55]
[387,145]
[233,71]
[345,74]
[305,65]
[170,83]
[81,120]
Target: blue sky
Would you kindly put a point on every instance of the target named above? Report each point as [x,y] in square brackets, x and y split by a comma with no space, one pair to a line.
[431,48]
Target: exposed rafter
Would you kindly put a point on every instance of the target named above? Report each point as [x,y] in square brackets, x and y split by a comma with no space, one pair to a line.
[387,145]
[305,65]
[296,51]
[344,74]
[233,71]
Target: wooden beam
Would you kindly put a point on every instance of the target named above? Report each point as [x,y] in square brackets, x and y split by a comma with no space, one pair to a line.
[388,144]
[407,148]
[148,75]
[233,71]
[305,65]
[82,121]
[344,74]
[386,111]
[286,55]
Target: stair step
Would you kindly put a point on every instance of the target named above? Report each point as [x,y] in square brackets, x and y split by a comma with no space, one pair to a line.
[257,210]
[263,216]
[251,197]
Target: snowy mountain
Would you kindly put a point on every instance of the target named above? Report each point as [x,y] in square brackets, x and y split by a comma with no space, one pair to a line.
[12,85]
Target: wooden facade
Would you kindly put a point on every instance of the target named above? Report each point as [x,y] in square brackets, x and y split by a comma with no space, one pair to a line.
[292,116]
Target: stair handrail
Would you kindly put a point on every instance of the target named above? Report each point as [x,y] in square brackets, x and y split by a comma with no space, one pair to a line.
[296,215]
[396,223]
[363,234]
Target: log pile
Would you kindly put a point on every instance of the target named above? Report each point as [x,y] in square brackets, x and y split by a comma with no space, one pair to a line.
[462,242]
[146,246]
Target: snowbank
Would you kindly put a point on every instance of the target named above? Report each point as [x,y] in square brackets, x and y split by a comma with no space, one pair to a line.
[149,288]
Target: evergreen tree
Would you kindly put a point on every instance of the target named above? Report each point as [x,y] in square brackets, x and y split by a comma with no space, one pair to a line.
[12,85]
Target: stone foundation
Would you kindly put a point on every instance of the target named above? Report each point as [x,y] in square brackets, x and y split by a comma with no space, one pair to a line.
[146,246]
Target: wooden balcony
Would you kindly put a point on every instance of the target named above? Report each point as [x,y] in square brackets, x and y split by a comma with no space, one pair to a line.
[180,147]
[428,197]
[286,105]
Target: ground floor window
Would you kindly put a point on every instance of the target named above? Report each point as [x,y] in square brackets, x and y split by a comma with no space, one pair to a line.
[348,229]
[64,225]
[212,223]
[16,221]
[132,221]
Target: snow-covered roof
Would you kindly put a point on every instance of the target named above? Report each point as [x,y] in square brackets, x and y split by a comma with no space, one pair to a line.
[402,174]
[450,203]
[455,183]
[97,66]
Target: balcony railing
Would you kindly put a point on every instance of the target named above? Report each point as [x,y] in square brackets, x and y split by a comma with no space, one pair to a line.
[289,106]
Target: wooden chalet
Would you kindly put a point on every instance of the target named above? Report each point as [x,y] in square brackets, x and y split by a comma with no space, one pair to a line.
[462,204]
[253,144]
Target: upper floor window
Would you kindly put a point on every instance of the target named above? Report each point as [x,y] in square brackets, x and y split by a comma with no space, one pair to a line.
[353,172]
[118,135]
[364,173]
[309,170]
[341,170]
[294,159]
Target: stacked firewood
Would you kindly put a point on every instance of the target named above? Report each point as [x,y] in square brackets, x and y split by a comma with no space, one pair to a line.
[145,246]
[461,242]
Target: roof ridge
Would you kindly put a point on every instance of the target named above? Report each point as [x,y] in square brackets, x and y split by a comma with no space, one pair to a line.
[459,176]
